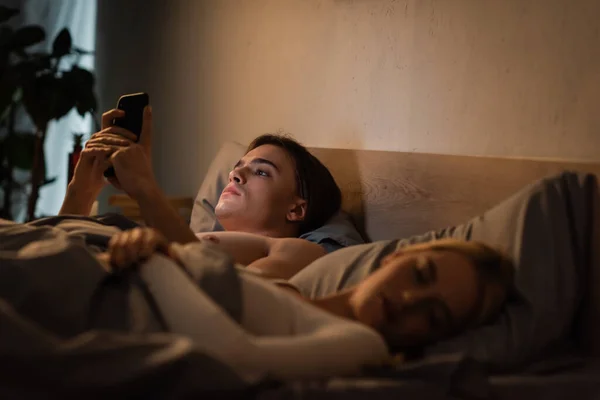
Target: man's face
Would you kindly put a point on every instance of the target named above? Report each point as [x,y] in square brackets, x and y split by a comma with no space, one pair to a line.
[261,194]
[420,296]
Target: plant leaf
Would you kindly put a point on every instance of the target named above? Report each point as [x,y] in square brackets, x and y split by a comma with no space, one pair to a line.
[62,43]
[81,82]
[5,35]
[48,181]
[64,100]
[8,87]
[19,149]
[39,98]
[82,51]
[86,102]
[27,36]
[50,97]
[25,71]
[7,13]
[79,77]
[41,60]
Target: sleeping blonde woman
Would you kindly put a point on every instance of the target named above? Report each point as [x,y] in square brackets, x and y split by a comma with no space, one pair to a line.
[420,294]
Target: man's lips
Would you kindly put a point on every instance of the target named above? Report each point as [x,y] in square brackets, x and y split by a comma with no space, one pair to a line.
[231,190]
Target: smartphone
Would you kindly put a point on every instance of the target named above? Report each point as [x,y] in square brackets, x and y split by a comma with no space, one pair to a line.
[133,105]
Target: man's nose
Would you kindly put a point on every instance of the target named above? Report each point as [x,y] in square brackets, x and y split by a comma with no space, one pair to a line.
[238,175]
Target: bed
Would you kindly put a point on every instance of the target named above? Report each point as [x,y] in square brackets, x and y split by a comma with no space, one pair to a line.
[394,195]
[399,195]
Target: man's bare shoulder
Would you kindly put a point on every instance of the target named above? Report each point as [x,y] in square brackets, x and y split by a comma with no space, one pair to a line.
[244,237]
[287,256]
[296,244]
[217,237]
[247,248]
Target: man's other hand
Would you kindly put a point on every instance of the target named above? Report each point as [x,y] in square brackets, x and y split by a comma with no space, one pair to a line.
[131,247]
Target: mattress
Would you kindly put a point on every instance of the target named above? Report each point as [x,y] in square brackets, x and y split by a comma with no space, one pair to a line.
[581,382]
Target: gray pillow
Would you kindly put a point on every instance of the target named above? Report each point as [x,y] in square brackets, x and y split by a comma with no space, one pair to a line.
[338,232]
[543,228]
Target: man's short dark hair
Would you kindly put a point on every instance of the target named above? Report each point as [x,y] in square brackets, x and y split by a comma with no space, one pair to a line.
[314,182]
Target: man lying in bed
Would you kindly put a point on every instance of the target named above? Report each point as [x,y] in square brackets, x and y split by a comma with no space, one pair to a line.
[276,192]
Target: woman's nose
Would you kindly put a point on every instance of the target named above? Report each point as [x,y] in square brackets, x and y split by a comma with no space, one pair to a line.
[412,298]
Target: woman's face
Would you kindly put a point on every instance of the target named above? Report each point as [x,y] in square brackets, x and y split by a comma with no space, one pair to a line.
[419,296]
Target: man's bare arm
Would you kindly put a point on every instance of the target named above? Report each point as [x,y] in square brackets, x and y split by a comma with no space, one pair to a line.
[77,201]
[158,213]
[134,173]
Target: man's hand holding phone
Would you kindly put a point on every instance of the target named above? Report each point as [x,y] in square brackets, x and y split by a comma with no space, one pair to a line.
[132,163]
[134,106]
[95,157]
[115,147]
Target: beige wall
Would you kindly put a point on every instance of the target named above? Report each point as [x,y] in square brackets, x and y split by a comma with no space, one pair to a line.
[496,77]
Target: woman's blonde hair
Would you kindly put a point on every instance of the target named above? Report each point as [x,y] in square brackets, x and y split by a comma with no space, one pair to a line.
[495,270]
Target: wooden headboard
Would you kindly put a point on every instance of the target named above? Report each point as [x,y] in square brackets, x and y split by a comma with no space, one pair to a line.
[395,195]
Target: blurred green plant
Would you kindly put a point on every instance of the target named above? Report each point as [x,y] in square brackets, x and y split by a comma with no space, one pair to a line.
[47,85]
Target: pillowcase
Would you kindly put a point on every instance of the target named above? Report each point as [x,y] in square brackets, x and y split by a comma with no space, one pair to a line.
[203,217]
[543,228]
[338,232]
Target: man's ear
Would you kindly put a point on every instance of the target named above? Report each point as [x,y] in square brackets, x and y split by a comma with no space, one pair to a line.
[297,211]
